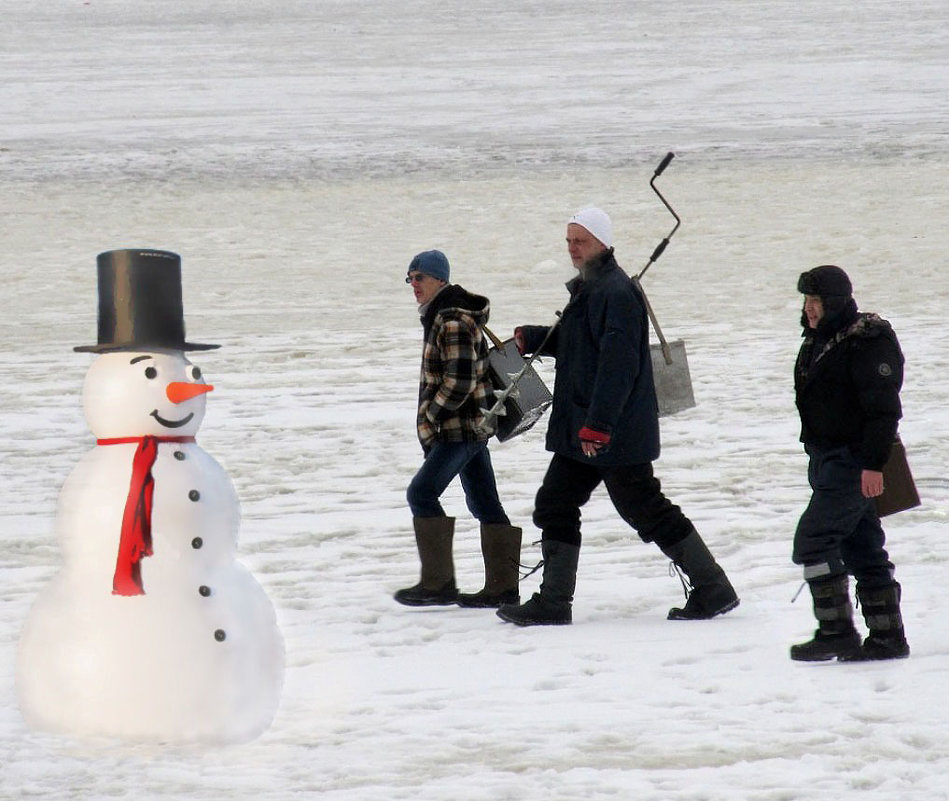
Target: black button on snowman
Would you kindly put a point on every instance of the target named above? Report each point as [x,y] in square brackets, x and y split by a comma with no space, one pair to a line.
[119,643]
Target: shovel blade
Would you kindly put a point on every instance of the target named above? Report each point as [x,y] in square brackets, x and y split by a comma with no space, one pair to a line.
[673,381]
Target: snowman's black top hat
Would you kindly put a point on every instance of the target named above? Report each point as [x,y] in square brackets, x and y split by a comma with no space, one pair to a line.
[140,302]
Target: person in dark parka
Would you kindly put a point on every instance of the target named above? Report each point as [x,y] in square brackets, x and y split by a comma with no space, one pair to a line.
[847,381]
[604,427]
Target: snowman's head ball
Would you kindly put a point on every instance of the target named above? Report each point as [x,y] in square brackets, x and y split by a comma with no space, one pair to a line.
[143,393]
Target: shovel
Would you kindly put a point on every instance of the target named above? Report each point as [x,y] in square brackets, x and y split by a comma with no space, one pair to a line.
[669,364]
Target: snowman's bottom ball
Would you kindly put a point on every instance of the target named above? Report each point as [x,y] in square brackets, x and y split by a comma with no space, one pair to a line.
[185,669]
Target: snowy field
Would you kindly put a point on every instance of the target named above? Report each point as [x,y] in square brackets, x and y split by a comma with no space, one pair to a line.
[297,155]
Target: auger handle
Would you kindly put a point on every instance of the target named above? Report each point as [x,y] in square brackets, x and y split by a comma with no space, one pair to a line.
[663,164]
[665,241]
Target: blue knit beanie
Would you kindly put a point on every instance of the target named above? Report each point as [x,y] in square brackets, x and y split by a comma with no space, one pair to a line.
[433,263]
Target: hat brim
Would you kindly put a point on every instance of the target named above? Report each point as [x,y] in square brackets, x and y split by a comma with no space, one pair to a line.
[185,346]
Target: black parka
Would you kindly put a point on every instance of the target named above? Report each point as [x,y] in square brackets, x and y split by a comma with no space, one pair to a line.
[604,374]
[847,384]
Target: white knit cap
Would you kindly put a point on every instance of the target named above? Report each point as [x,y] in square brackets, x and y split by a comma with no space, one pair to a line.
[597,222]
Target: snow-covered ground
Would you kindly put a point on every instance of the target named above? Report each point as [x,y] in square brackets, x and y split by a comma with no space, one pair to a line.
[297,156]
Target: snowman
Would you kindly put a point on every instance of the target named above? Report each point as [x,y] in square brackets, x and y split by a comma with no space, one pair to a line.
[151,631]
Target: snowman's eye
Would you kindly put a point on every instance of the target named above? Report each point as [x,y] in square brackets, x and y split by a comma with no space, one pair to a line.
[196,373]
[151,372]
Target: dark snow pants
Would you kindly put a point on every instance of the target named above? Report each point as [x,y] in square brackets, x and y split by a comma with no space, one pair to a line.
[634,490]
[840,531]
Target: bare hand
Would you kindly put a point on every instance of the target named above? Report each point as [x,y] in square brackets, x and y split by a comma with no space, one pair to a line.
[590,449]
[593,441]
[871,483]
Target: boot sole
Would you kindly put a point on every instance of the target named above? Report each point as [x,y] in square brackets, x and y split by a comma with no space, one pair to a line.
[426,601]
[532,621]
[488,604]
[681,616]
[845,654]
[865,657]
[816,658]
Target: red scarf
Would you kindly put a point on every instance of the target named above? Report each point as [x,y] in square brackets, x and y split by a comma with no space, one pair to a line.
[135,542]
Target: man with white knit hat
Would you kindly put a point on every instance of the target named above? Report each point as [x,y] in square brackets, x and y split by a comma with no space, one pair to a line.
[604,427]
[597,222]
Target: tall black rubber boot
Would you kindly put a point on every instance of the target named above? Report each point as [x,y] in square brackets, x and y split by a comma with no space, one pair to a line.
[881,611]
[710,592]
[433,536]
[836,636]
[501,550]
[552,606]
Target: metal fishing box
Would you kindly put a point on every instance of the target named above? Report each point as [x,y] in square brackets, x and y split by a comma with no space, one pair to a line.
[530,399]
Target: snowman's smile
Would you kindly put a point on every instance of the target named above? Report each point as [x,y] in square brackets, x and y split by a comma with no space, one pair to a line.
[172,423]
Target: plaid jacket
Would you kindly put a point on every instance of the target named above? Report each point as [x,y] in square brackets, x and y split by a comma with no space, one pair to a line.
[453,384]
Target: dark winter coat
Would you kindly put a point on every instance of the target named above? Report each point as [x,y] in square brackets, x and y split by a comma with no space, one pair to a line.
[603,376]
[847,383]
[454,384]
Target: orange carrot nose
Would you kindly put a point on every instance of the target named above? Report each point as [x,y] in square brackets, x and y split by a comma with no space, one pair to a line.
[180,391]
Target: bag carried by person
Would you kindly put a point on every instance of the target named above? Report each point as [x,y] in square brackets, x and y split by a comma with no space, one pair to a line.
[899,489]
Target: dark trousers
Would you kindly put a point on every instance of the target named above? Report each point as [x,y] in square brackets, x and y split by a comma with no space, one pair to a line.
[840,531]
[471,462]
[634,490]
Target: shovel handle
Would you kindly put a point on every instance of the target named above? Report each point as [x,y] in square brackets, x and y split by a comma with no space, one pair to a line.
[666,350]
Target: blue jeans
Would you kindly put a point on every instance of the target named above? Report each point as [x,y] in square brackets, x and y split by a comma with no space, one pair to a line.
[471,462]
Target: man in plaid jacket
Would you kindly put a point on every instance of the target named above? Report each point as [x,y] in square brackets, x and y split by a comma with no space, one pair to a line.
[454,388]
